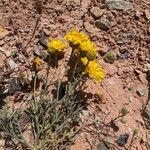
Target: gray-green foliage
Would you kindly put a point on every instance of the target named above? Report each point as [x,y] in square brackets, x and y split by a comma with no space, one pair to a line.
[52,119]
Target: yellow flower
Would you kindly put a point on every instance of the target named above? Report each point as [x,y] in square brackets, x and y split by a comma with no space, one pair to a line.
[88,46]
[93,70]
[55,46]
[75,37]
[38,62]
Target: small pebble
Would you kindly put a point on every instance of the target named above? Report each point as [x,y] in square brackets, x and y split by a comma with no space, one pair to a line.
[2,42]
[96,12]
[147,14]
[12,64]
[22,58]
[141,91]
[104,23]
[122,140]
[37,52]
[142,78]
[14,85]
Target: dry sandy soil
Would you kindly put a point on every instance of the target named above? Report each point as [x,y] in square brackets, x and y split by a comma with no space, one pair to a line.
[123,31]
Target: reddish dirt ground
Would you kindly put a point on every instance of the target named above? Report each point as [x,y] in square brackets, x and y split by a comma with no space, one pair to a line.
[128,37]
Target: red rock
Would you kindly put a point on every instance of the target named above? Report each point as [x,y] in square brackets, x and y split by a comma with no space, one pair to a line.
[3,34]
[142,78]
[138,14]
[147,14]
[148,30]
[97,12]
[90,28]
[2,42]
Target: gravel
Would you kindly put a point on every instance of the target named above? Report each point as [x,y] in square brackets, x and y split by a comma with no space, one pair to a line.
[104,23]
[119,4]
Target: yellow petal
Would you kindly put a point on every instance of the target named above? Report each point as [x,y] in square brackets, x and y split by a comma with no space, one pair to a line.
[88,46]
[94,70]
[76,37]
[56,46]
[38,62]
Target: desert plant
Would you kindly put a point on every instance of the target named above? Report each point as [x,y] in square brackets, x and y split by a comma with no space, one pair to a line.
[52,117]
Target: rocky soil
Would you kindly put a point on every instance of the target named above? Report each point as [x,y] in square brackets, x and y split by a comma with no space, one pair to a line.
[121,31]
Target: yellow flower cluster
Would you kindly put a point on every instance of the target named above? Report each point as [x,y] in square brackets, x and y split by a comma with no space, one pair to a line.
[88,50]
[82,43]
[55,46]
[94,70]
[83,46]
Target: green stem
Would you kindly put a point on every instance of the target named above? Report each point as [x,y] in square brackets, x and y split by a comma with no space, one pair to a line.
[58,90]
[36,124]
[75,67]
[34,87]
[49,62]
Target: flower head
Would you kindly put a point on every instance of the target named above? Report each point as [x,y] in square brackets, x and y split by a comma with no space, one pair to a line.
[75,37]
[38,62]
[55,46]
[88,46]
[93,70]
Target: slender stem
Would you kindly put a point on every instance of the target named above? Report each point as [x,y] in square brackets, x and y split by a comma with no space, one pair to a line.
[34,30]
[114,120]
[71,55]
[48,68]
[34,86]
[131,144]
[58,90]
[36,124]
[75,68]
[56,59]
